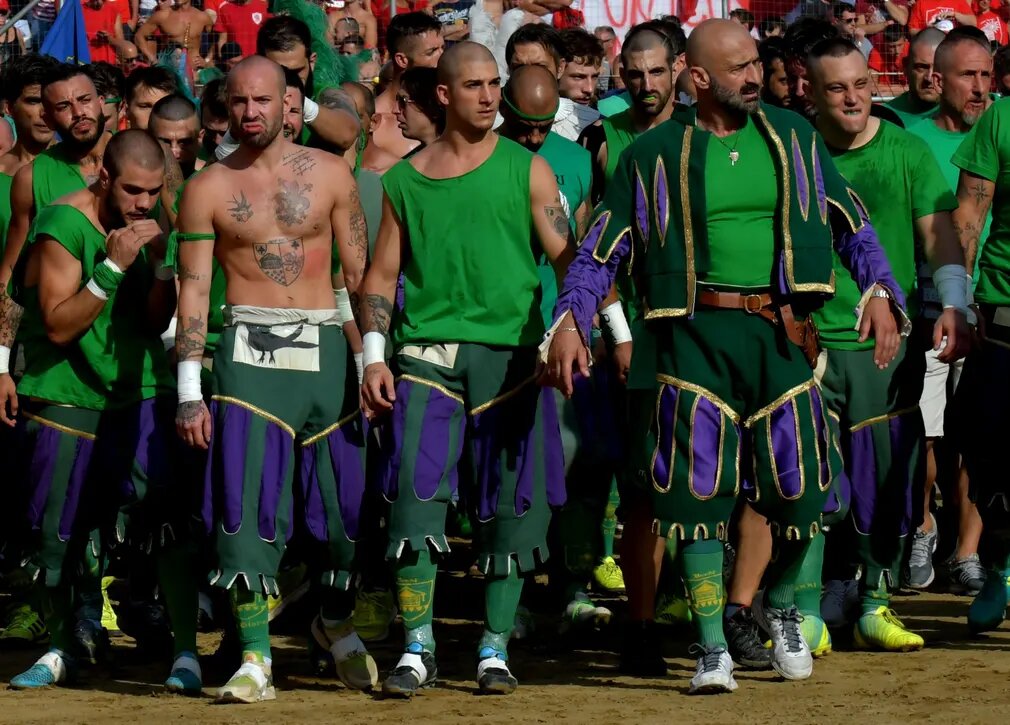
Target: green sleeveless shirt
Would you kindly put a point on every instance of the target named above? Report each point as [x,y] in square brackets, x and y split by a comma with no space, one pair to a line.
[5,208]
[53,176]
[119,361]
[619,132]
[470,274]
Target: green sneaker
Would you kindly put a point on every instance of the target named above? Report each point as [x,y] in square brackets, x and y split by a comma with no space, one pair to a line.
[24,628]
[582,613]
[253,682]
[673,611]
[608,576]
[293,585]
[988,609]
[374,612]
[109,621]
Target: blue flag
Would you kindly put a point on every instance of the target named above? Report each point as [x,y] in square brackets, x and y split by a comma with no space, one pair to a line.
[68,41]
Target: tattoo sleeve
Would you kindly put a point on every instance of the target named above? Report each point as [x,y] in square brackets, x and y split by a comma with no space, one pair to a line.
[379,311]
[974,201]
[10,318]
[359,229]
[190,339]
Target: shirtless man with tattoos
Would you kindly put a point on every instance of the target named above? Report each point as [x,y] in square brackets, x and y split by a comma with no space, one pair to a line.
[284,392]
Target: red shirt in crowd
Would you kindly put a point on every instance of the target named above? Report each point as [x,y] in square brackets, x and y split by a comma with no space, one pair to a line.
[380,9]
[887,63]
[927,12]
[101,19]
[122,7]
[993,26]
[242,22]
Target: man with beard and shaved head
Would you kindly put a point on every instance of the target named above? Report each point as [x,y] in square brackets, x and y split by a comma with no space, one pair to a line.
[709,209]
[464,344]
[174,122]
[962,73]
[284,387]
[876,403]
[920,99]
[97,416]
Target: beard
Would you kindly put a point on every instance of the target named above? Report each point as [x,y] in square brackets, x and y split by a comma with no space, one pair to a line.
[733,100]
[83,143]
[262,139]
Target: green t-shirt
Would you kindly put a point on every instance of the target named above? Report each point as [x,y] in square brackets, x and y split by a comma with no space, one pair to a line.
[908,109]
[612,105]
[898,180]
[53,176]
[119,360]
[985,152]
[572,166]
[5,208]
[470,273]
[741,201]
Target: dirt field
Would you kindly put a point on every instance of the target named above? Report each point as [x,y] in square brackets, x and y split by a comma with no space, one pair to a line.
[955,680]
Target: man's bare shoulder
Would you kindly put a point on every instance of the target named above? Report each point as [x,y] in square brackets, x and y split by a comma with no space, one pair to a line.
[207,185]
[303,161]
[9,164]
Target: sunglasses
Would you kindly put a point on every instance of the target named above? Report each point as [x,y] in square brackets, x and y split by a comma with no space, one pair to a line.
[402,102]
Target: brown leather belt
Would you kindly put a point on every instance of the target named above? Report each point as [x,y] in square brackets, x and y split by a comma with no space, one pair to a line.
[752,303]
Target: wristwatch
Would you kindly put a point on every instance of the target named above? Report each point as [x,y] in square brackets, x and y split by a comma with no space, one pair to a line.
[882,292]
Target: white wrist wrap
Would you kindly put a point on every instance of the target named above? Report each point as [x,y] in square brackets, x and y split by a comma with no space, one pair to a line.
[951,285]
[614,322]
[97,291]
[226,147]
[5,360]
[373,349]
[112,265]
[310,110]
[344,312]
[359,358]
[189,381]
[969,292]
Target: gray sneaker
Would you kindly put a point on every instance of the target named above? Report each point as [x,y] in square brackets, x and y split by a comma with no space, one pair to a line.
[919,573]
[966,575]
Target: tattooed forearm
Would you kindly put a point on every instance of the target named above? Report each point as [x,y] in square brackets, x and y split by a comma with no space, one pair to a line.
[299,162]
[281,260]
[10,318]
[188,411]
[378,310]
[356,306]
[968,233]
[359,229]
[185,272]
[241,210]
[291,203]
[190,339]
[558,219]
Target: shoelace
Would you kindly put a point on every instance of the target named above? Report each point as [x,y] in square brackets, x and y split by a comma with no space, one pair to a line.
[711,659]
[921,554]
[791,619]
[968,570]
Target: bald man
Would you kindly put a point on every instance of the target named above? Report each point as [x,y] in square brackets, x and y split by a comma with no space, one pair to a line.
[284,389]
[176,124]
[724,270]
[920,100]
[464,346]
[96,295]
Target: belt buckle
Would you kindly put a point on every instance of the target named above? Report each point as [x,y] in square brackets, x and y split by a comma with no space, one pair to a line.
[752,304]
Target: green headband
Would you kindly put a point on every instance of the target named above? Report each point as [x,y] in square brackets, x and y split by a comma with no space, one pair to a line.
[113,99]
[527,117]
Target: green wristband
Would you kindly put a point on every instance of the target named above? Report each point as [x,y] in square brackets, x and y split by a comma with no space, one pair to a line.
[106,277]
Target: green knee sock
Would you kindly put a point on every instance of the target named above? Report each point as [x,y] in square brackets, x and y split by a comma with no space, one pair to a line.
[178,586]
[610,520]
[703,576]
[415,590]
[784,571]
[501,599]
[808,578]
[252,618]
[56,605]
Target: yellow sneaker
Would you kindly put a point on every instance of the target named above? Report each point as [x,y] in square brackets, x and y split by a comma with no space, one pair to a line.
[374,612]
[608,575]
[672,610]
[881,629]
[109,621]
[815,632]
[293,585]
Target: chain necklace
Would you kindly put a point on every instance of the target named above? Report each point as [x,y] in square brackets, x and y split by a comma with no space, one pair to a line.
[734,155]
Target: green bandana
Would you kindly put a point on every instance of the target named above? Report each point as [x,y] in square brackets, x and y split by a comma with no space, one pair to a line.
[525,116]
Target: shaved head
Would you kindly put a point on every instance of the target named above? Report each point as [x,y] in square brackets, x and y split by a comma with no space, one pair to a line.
[175,107]
[134,147]
[533,91]
[452,61]
[712,38]
[647,39]
[927,38]
[254,67]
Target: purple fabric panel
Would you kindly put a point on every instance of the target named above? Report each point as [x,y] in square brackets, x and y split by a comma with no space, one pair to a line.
[705,448]
[75,486]
[862,474]
[662,200]
[315,512]
[821,431]
[345,445]
[276,455]
[391,433]
[863,256]
[822,194]
[432,452]
[40,473]
[641,207]
[229,463]
[785,449]
[802,182]
[486,435]
[554,454]
[664,435]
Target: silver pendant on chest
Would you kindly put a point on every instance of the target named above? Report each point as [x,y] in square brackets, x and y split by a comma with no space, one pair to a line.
[734,156]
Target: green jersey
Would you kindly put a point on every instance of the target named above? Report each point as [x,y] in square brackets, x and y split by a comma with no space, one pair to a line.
[898,181]
[119,360]
[612,105]
[619,131]
[909,110]
[53,176]
[5,208]
[470,273]
[573,170]
[985,152]
[741,196]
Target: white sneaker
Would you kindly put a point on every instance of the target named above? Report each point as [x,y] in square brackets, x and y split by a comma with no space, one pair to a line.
[791,656]
[714,673]
[253,682]
[355,666]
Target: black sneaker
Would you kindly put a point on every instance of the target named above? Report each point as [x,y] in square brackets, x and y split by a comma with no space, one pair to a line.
[744,638]
[642,651]
[414,671]
[493,675]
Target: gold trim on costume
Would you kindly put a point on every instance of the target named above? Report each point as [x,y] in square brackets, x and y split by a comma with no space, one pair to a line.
[881,418]
[326,431]
[817,441]
[802,169]
[640,186]
[613,245]
[775,468]
[666,312]
[787,238]
[699,390]
[814,529]
[800,463]
[59,426]
[685,203]
[673,444]
[661,224]
[437,386]
[785,397]
[704,530]
[503,397]
[754,470]
[793,533]
[690,446]
[605,218]
[822,202]
[257,410]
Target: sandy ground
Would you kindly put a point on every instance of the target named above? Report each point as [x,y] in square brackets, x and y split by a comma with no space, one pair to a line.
[956,679]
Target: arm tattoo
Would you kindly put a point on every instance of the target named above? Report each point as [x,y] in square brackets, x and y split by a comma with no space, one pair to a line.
[978,192]
[190,339]
[291,205]
[185,272]
[187,412]
[968,234]
[558,219]
[356,306]
[10,318]
[281,259]
[359,229]
[241,210]
[379,311]
[300,162]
